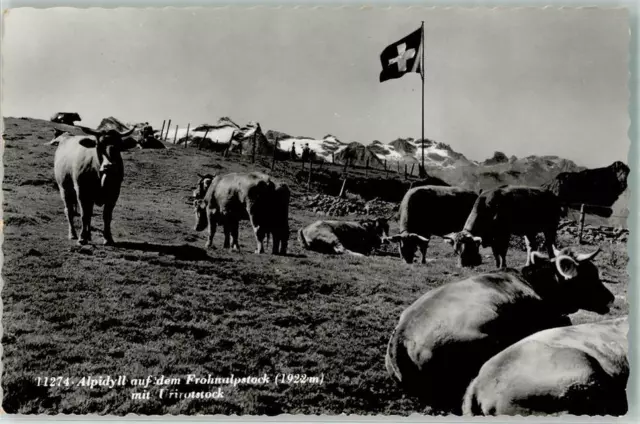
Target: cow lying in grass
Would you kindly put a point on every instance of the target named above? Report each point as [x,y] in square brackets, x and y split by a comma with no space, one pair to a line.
[578,370]
[227,199]
[443,339]
[358,238]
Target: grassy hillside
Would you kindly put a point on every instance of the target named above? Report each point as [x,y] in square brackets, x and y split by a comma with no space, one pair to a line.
[158,304]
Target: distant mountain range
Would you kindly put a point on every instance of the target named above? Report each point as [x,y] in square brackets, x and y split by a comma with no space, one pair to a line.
[440,160]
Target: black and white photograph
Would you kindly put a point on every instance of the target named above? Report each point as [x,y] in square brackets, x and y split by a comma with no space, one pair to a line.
[369,211]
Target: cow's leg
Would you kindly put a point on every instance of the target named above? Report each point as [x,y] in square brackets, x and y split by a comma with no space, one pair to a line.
[107,215]
[86,212]
[531,244]
[499,248]
[226,228]
[550,241]
[258,229]
[260,234]
[340,249]
[69,199]
[211,230]
[275,249]
[234,234]
[423,251]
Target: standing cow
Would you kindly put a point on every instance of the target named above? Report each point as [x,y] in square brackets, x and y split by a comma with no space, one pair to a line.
[351,237]
[432,210]
[578,370]
[501,212]
[89,171]
[443,338]
[228,199]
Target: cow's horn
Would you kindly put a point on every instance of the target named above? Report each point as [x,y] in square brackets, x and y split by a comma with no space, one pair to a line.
[395,238]
[90,131]
[477,239]
[536,254]
[587,256]
[128,132]
[419,237]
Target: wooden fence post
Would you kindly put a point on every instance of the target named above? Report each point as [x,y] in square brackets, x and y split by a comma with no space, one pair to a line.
[412,165]
[203,139]
[581,223]
[275,150]
[344,183]
[186,137]
[310,171]
[366,168]
[346,163]
[333,158]
[167,134]
[405,172]
[162,130]
[398,163]
[175,135]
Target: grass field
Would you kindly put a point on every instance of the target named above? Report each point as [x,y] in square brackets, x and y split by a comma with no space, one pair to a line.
[158,304]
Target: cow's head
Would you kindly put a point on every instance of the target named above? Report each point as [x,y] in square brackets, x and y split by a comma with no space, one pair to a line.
[407,244]
[466,246]
[575,283]
[200,211]
[377,228]
[202,186]
[108,145]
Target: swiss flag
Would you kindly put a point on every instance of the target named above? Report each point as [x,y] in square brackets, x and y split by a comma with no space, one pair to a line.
[402,56]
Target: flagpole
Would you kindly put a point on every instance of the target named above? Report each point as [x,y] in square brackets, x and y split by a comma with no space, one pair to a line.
[422,77]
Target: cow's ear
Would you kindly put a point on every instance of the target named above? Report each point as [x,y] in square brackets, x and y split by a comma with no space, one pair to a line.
[567,267]
[477,240]
[89,143]
[449,238]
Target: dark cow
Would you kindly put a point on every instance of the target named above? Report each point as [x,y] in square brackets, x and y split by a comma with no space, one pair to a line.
[227,199]
[431,210]
[89,170]
[356,238]
[68,118]
[578,370]
[442,340]
[501,212]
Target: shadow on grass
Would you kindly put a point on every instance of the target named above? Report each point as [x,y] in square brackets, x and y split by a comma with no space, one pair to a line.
[183,252]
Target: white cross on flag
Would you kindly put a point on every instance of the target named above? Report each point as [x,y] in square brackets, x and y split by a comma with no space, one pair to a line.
[402,56]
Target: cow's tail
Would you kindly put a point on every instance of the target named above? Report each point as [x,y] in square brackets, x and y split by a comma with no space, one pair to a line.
[470,405]
[302,240]
[397,361]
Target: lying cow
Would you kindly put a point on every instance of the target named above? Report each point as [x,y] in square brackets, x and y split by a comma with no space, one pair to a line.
[356,238]
[578,370]
[89,170]
[501,212]
[427,211]
[443,339]
[228,199]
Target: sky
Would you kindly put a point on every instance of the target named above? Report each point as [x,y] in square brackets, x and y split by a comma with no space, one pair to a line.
[521,81]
